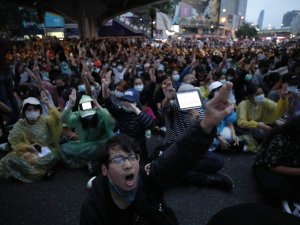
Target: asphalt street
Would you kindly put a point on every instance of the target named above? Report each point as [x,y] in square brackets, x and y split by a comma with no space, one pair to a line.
[57,201]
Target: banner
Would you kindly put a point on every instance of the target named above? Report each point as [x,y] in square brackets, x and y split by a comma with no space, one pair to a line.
[199,12]
[163,22]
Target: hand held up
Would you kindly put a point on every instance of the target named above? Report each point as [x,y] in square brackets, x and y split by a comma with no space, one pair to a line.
[217,108]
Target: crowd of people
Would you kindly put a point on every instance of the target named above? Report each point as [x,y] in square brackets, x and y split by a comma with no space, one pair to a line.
[89,103]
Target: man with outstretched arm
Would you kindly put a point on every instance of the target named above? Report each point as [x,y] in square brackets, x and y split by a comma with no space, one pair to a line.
[128,194]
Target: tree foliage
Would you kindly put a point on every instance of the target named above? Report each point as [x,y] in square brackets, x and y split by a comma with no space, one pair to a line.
[15,18]
[246,31]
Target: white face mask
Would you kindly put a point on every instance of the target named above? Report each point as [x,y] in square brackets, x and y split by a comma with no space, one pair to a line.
[32,115]
[139,87]
[119,94]
[259,99]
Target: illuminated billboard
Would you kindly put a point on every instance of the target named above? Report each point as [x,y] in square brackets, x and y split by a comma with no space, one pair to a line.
[199,12]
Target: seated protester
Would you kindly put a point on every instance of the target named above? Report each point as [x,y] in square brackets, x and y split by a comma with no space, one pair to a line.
[131,120]
[119,91]
[130,194]
[258,114]
[139,86]
[240,82]
[175,79]
[159,97]
[204,85]
[34,140]
[4,112]
[273,82]
[93,125]
[294,100]
[177,121]
[277,165]
[147,94]
[226,139]
[223,79]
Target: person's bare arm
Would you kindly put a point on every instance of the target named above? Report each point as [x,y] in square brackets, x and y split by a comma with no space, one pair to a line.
[285,170]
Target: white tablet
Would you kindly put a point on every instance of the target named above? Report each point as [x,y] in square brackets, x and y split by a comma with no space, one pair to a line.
[189,99]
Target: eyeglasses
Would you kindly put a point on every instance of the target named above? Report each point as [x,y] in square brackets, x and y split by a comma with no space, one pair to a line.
[121,159]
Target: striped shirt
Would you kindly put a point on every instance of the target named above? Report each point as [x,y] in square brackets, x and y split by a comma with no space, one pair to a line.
[129,123]
[177,121]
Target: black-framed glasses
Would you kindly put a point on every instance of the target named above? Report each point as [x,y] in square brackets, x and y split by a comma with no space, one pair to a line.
[121,159]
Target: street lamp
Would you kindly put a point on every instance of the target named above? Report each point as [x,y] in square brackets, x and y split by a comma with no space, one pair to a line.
[224,10]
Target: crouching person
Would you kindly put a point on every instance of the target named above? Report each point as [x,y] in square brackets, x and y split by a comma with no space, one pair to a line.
[34,140]
[94,126]
[128,194]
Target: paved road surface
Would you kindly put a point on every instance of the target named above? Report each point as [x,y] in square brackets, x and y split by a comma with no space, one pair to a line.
[57,201]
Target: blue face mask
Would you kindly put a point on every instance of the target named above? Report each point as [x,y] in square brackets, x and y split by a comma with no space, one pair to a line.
[259,99]
[120,68]
[81,88]
[248,77]
[176,77]
[224,71]
[127,196]
[223,81]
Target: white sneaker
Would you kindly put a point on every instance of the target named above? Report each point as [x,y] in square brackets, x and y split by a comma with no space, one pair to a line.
[286,207]
[89,184]
[292,208]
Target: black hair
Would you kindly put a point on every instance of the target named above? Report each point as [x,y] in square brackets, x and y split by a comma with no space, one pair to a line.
[145,76]
[290,128]
[86,124]
[122,141]
[251,89]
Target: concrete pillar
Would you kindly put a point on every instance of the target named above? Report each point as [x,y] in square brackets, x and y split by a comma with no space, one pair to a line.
[87,25]
[88,28]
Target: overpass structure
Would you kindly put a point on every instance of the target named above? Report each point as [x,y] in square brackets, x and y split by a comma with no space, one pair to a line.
[87,13]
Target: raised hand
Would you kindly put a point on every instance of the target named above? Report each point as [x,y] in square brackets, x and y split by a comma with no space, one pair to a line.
[217,108]
[107,79]
[44,98]
[72,97]
[284,90]
[168,90]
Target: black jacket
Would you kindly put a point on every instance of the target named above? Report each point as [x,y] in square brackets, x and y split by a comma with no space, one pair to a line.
[148,207]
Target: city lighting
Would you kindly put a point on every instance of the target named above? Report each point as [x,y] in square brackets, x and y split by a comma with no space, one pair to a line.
[223,20]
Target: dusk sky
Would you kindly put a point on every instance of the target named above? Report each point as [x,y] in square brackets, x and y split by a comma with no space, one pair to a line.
[274,10]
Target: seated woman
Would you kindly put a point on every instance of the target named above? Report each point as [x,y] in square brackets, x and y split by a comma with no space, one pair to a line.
[34,141]
[257,114]
[93,125]
[131,119]
[226,138]
[277,165]
[205,172]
